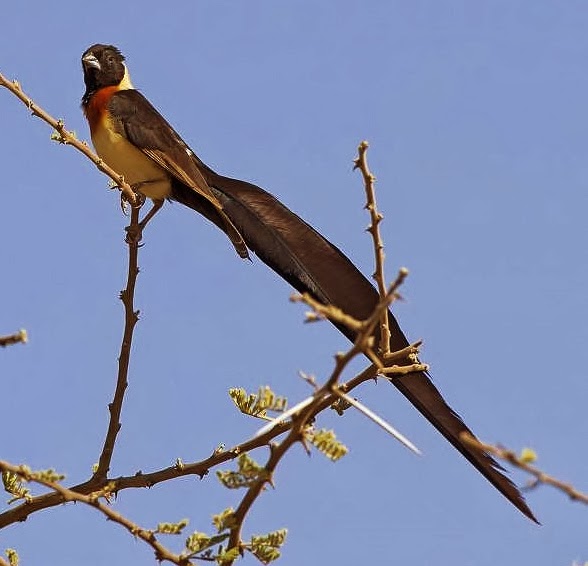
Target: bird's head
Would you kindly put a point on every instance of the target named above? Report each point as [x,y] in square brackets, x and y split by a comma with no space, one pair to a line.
[103,66]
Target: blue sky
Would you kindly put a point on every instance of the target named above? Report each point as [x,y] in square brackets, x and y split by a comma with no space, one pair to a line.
[476,115]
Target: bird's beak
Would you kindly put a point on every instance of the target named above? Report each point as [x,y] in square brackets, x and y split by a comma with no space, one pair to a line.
[90,60]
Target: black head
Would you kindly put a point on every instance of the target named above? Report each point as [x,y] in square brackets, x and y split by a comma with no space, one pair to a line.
[103,66]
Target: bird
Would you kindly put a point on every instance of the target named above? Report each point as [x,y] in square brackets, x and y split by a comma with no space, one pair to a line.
[134,139]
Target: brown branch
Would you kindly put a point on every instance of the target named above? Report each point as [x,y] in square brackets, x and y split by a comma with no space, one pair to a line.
[365,328]
[131,317]
[3,562]
[99,479]
[364,340]
[360,163]
[324,397]
[92,499]
[277,453]
[321,402]
[330,390]
[403,370]
[363,343]
[325,400]
[16,338]
[201,468]
[329,312]
[68,138]
[540,476]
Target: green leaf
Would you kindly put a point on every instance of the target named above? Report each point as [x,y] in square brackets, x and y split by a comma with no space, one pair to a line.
[266,547]
[249,472]
[172,528]
[528,455]
[257,405]
[197,542]
[224,520]
[13,485]
[12,556]
[325,441]
[229,555]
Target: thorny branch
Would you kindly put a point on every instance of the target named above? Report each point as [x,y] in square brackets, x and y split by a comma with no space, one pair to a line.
[93,500]
[16,338]
[200,468]
[360,162]
[324,397]
[67,137]
[363,344]
[127,297]
[540,477]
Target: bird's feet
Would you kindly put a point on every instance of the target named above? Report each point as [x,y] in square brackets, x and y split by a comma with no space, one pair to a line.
[135,229]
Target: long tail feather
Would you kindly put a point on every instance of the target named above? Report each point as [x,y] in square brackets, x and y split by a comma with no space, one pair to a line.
[310,263]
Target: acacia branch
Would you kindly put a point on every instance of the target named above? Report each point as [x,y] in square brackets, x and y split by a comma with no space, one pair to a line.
[360,162]
[331,389]
[93,500]
[201,468]
[68,137]
[16,338]
[127,297]
[326,396]
[540,477]
[302,413]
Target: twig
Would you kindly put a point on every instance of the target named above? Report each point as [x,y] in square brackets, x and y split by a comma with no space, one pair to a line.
[365,336]
[139,480]
[92,499]
[305,411]
[361,345]
[201,468]
[277,452]
[360,163]
[131,317]
[398,282]
[16,338]
[310,407]
[320,402]
[67,137]
[540,476]
[403,370]
[410,352]
[330,312]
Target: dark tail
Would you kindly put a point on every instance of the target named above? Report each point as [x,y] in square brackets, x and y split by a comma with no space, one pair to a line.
[310,263]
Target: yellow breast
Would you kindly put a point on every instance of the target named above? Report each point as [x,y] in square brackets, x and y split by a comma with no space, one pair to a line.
[143,174]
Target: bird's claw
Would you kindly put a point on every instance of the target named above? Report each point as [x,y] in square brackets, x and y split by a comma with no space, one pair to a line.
[134,233]
[124,201]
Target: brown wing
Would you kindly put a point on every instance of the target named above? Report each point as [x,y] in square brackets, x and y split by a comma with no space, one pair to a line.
[134,117]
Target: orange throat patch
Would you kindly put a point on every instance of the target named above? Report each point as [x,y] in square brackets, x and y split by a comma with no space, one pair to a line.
[95,110]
